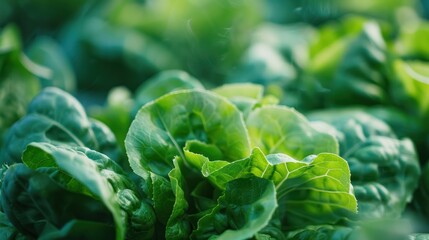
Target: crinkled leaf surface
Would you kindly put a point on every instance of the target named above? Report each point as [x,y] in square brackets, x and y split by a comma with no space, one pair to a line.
[314,190]
[383,168]
[352,126]
[384,175]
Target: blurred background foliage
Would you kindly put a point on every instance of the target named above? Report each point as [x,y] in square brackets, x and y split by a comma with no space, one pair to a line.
[112,43]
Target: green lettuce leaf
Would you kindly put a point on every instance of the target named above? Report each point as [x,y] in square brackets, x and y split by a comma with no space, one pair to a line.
[162,128]
[314,190]
[56,117]
[278,129]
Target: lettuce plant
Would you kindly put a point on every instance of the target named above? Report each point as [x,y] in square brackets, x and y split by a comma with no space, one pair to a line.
[193,147]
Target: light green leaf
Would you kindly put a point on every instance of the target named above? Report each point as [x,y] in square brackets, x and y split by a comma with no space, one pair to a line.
[315,190]
[243,95]
[162,128]
[219,173]
[278,129]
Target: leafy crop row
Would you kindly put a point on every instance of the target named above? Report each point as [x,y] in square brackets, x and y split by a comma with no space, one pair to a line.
[267,129]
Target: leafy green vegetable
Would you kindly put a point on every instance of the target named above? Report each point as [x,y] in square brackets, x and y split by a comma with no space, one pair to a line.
[202,160]
[86,180]
[239,214]
[161,129]
[277,129]
[315,190]
[384,169]
[55,116]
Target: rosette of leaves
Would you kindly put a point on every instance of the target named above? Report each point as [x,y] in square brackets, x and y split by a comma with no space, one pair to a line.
[198,157]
